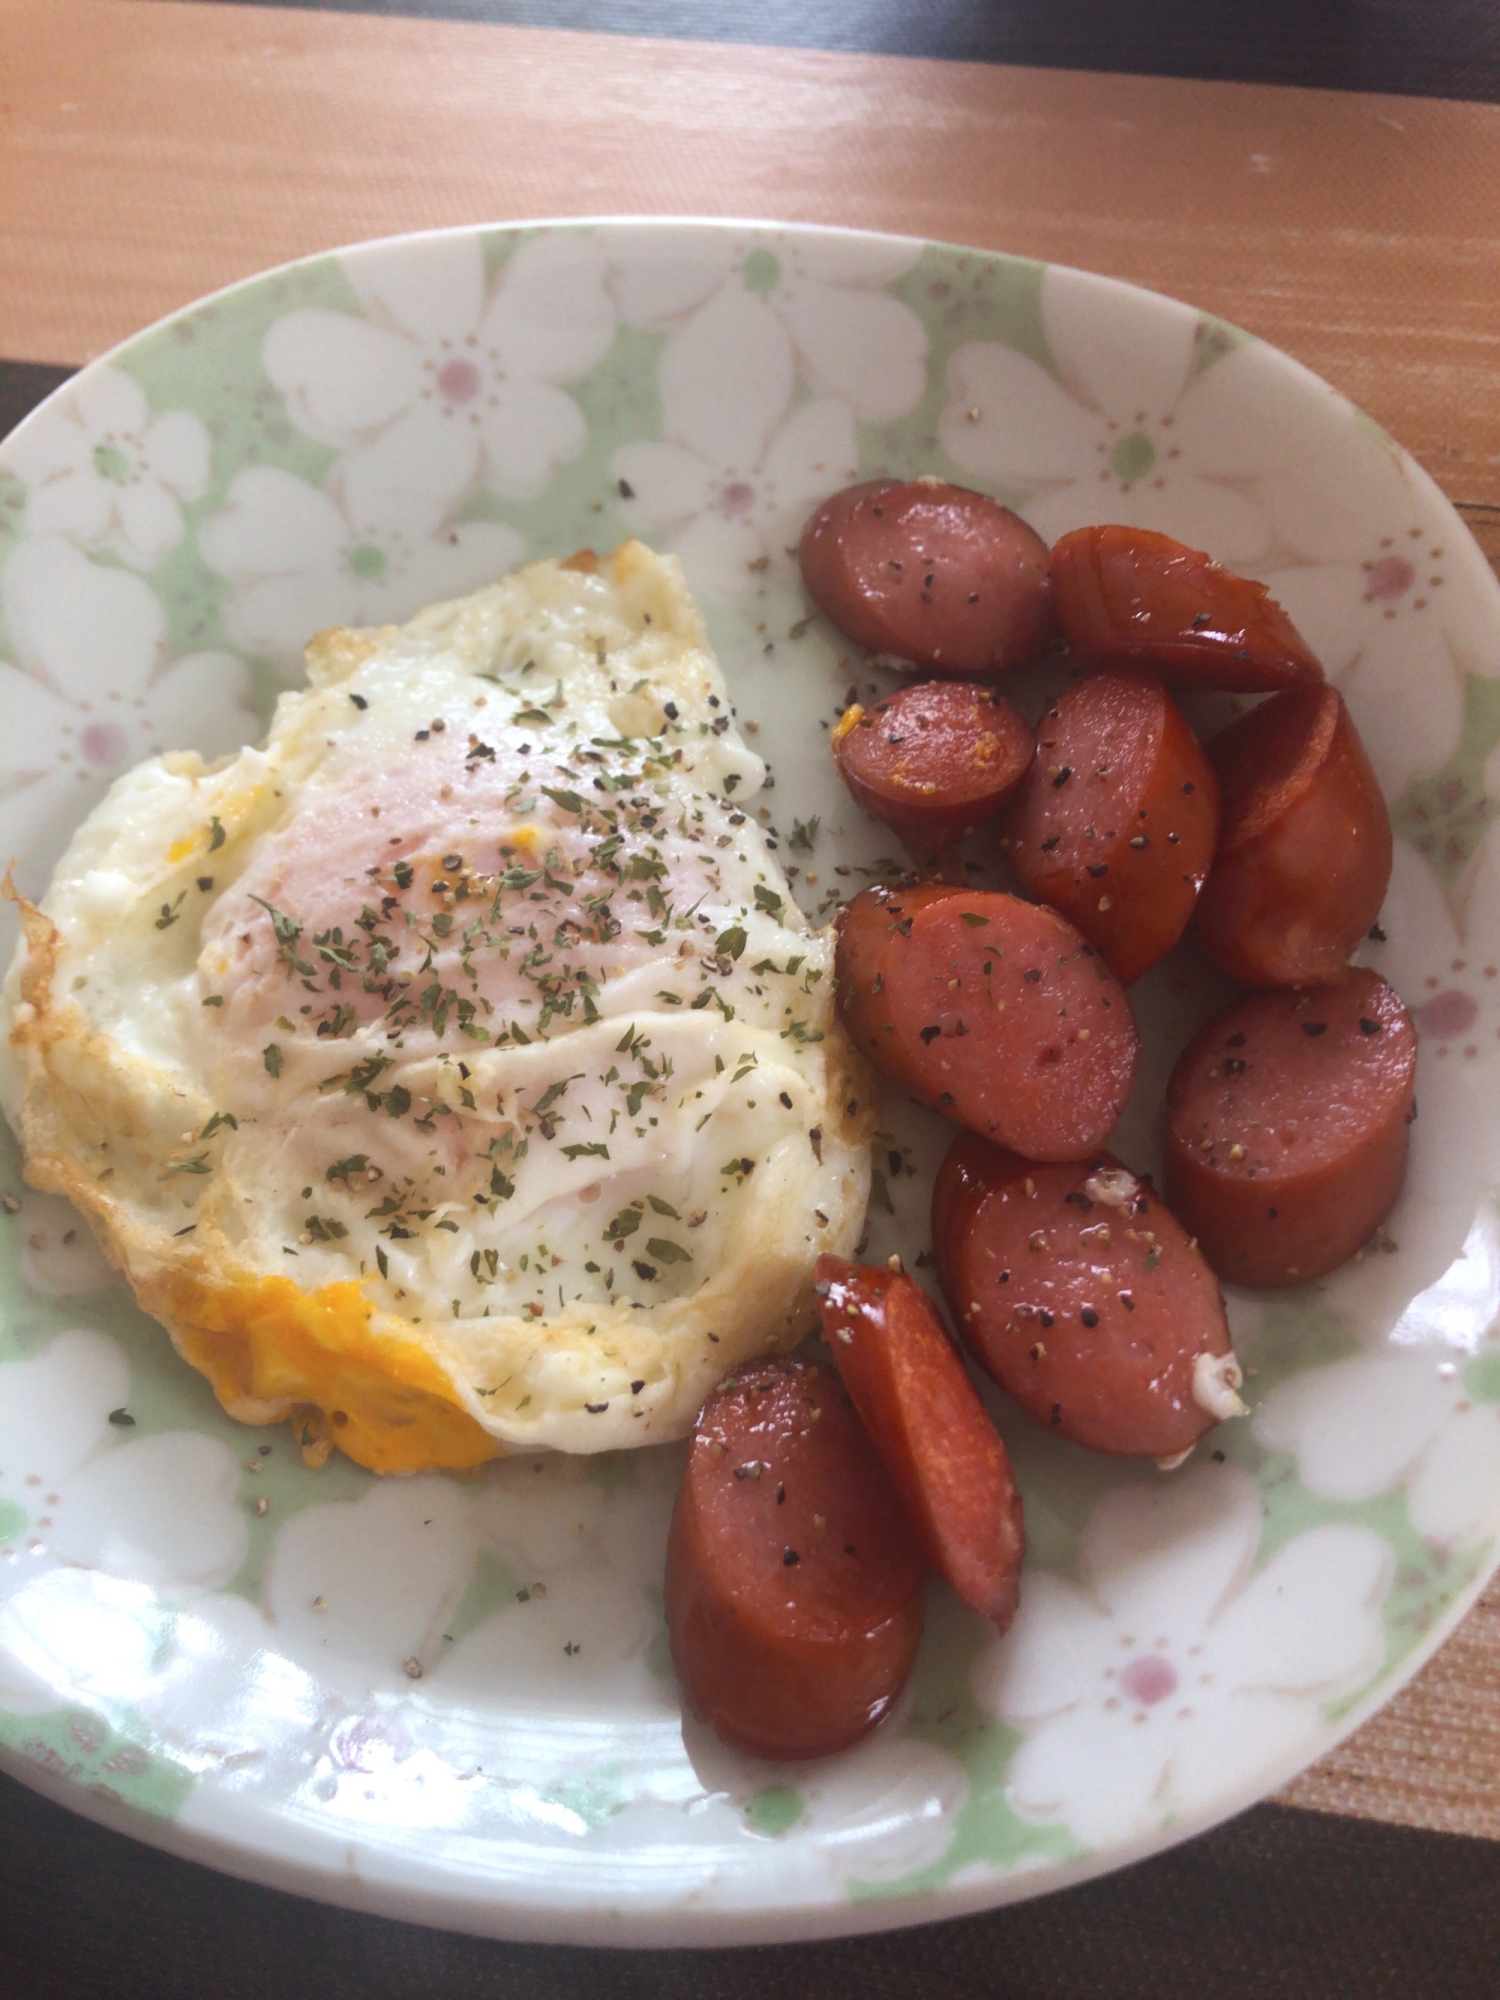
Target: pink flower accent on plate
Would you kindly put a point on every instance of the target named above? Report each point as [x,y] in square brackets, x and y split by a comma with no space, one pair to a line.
[459,381]
[104,743]
[1391,577]
[1448,1014]
[1149,1680]
[360,1743]
[738,497]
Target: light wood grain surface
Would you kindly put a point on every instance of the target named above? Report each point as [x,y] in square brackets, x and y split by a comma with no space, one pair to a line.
[151,151]
[1432,1758]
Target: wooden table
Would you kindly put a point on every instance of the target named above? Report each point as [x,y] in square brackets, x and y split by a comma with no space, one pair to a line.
[152,150]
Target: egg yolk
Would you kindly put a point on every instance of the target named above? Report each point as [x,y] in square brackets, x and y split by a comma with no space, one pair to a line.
[382,1400]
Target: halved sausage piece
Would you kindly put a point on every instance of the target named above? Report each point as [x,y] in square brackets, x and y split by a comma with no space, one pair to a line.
[931,576]
[1129,595]
[970,1168]
[993,1011]
[933,1434]
[1287,1122]
[1085,1299]
[1116,822]
[794,1578]
[933,761]
[865,927]
[1304,854]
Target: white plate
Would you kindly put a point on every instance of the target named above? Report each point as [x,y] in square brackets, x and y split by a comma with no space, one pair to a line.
[372,431]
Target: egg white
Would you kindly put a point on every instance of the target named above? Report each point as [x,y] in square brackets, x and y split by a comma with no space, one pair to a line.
[454,1073]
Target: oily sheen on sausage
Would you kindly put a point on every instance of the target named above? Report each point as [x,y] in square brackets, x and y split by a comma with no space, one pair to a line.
[930,576]
[794,1578]
[1130,595]
[934,1436]
[1304,854]
[1116,823]
[993,1011]
[1084,1298]
[1287,1121]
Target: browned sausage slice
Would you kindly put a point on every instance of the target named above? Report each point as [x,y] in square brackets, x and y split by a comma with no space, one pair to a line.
[1084,1297]
[1287,1122]
[931,576]
[794,1578]
[866,926]
[934,760]
[1304,855]
[1129,594]
[970,1168]
[932,1432]
[1116,822]
[993,1011]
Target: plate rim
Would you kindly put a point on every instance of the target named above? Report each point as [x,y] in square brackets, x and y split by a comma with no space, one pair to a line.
[684,1926]
[478,1910]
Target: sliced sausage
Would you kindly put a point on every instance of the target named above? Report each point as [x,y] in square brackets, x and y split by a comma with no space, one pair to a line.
[1128,594]
[993,1011]
[1116,822]
[1304,855]
[869,929]
[933,1434]
[794,1578]
[1085,1299]
[970,1167]
[934,761]
[866,927]
[930,576]
[1287,1122]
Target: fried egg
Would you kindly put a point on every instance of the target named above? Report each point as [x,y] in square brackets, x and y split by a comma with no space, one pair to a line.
[454,1074]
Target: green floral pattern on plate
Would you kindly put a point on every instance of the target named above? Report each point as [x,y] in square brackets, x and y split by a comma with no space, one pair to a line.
[464,1685]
